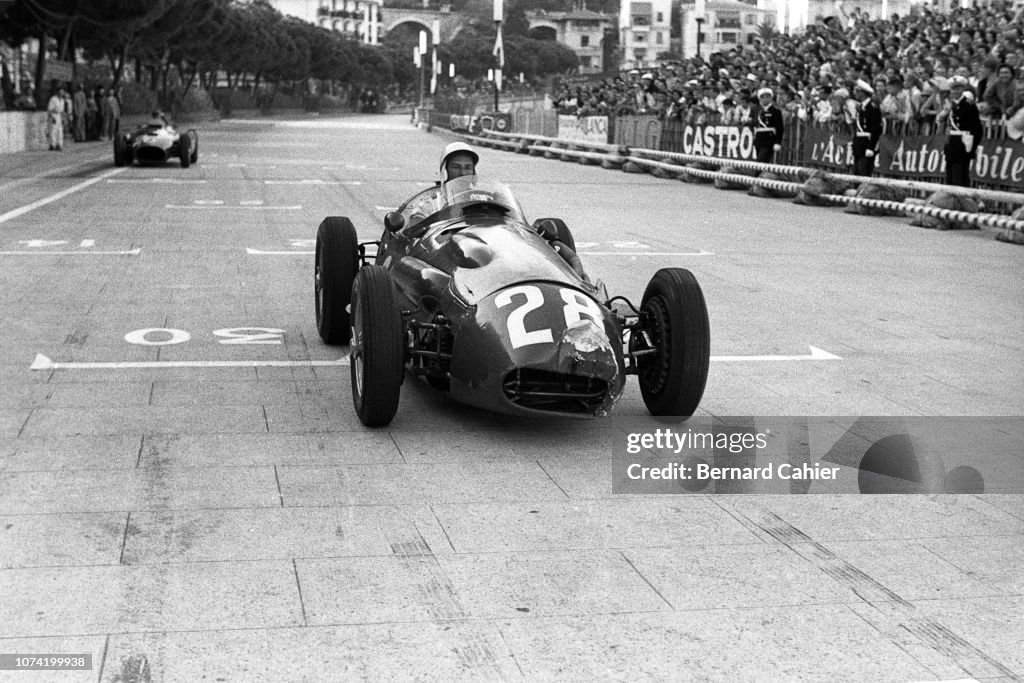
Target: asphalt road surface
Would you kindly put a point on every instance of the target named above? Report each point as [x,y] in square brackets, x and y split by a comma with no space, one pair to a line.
[186,493]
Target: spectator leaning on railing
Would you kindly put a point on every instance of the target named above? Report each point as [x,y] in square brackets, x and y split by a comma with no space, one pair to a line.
[999,95]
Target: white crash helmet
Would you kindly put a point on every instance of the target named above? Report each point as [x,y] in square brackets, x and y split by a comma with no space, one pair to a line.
[456,148]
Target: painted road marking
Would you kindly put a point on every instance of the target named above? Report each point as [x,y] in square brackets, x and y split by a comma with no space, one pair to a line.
[169,181]
[51,173]
[42,362]
[816,354]
[647,253]
[234,206]
[82,252]
[60,195]
[312,181]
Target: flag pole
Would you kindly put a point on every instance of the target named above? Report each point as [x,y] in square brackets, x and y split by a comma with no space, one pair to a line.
[499,51]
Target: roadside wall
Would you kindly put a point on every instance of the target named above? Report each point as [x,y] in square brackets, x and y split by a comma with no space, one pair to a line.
[22,130]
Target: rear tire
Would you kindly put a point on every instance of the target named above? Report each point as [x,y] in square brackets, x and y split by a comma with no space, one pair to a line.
[335,267]
[184,149]
[674,314]
[377,360]
[194,157]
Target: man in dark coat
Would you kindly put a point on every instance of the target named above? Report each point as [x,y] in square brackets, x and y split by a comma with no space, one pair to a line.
[867,129]
[964,134]
[768,127]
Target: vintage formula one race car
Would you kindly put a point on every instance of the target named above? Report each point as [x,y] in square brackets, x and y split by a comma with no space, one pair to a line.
[462,291]
[155,143]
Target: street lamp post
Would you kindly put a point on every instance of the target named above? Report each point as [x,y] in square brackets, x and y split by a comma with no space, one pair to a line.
[700,32]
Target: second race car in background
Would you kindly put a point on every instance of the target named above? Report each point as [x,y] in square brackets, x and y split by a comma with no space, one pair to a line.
[156,143]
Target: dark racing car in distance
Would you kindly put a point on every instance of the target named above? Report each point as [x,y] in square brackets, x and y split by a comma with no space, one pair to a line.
[155,143]
[461,290]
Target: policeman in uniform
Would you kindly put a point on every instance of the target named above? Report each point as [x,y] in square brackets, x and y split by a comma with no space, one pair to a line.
[768,127]
[867,129]
[965,132]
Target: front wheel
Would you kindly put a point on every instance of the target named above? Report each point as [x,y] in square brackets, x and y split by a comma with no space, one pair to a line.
[675,317]
[119,151]
[184,147]
[376,359]
[334,269]
[194,156]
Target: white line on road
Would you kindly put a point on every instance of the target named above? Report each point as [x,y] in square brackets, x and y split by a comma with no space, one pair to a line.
[169,181]
[258,252]
[312,181]
[253,207]
[83,252]
[816,354]
[42,362]
[45,363]
[60,195]
[646,253]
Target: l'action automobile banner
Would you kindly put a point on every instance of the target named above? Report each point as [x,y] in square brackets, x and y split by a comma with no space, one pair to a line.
[997,162]
[827,148]
[584,129]
[730,142]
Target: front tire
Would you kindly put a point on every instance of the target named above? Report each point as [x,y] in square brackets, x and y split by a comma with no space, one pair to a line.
[194,157]
[184,145]
[675,316]
[335,267]
[120,156]
[377,360]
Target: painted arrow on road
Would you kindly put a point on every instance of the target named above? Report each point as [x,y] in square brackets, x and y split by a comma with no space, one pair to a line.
[45,363]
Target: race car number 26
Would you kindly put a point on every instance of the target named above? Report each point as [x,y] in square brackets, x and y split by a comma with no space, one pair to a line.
[576,306]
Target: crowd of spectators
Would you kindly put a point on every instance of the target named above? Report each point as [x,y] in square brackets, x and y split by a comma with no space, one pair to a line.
[909,61]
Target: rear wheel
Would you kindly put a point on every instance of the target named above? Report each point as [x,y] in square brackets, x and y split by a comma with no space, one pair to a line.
[377,359]
[184,147]
[194,157]
[675,317]
[119,151]
[335,267]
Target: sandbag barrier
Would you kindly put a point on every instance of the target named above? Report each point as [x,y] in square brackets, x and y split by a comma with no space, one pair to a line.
[617,156]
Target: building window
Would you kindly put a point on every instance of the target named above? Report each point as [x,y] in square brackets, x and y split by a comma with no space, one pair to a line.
[639,55]
[727,20]
[659,38]
[585,61]
[640,14]
[639,37]
[661,17]
[751,19]
[750,38]
[727,37]
[584,41]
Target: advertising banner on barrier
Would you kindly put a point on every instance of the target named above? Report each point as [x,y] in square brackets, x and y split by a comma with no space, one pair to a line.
[1000,162]
[730,142]
[911,156]
[824,147]
[584,129]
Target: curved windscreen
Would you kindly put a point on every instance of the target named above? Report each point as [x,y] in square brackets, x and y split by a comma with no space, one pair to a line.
[463,197]
[470,193]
